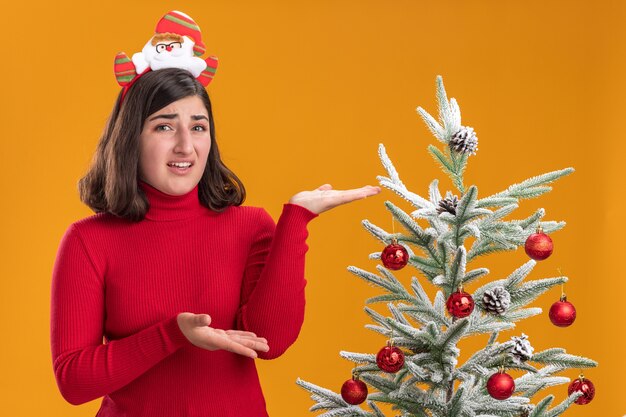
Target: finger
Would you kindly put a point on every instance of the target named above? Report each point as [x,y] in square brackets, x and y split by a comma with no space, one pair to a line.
[220,340]
[368,190]
[245,335]
[238,348]
[325,187]
[372,188]
[255,343]
[241,332]
[255,339]
[202,319]
[346,196]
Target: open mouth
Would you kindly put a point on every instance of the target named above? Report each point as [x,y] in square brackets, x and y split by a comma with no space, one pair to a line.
[180,167]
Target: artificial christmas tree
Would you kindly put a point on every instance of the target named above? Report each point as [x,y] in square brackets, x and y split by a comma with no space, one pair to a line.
[431,382]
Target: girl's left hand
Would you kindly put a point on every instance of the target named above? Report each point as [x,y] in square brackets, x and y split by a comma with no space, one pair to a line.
[324,198]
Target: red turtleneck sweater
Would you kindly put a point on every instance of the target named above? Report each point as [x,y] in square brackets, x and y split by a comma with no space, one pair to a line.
[127,282]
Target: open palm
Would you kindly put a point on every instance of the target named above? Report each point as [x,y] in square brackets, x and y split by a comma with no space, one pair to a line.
[196,329]
[324,197]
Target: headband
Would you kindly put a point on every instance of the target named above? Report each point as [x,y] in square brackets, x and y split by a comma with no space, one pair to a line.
[176,43]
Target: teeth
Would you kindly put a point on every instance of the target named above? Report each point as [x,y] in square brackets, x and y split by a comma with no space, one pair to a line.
[180,164]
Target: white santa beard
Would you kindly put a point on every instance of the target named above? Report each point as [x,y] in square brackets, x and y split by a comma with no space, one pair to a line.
[192,64]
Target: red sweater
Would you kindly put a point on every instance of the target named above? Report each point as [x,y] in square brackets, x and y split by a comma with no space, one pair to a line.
[128,282]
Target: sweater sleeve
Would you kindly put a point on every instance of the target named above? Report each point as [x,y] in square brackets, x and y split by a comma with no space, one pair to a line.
[272,299]
[85,368]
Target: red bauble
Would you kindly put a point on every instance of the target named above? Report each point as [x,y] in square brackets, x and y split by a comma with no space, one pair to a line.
[586,387]
[394,256]
[539,245]
[500,386]
[354,391]
[390,359]
[562,313]
[460,304]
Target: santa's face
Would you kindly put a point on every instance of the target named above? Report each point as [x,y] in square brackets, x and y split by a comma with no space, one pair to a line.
[179,133]
[168,50]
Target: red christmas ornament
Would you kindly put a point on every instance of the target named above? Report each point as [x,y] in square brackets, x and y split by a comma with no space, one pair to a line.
[390,358]
[500,386]
[354,391]
[562,313]
[460,304]
[585,386]
[539,245]
[394,256]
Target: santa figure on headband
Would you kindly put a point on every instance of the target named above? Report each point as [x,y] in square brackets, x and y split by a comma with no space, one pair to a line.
[177,43]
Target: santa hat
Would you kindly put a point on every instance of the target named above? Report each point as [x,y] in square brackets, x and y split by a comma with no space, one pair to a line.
[182,24]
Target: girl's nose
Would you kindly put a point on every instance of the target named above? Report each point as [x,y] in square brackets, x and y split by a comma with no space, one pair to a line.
[184,142]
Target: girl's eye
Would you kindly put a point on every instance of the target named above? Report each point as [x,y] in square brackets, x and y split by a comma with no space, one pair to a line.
[165,128]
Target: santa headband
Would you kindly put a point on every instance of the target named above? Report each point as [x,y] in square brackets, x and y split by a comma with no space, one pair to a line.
[177,43]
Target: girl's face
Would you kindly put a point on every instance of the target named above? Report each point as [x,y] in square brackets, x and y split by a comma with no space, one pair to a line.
[178,133]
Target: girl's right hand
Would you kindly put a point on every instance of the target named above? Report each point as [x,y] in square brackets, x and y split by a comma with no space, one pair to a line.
[196,329]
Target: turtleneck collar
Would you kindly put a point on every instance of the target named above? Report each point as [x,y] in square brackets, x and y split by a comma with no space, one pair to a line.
[166,207]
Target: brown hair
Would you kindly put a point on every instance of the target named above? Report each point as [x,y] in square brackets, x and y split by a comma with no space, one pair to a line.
[111,183]
[162,36]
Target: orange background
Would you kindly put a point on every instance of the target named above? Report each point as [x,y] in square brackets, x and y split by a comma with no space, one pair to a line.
[304,93]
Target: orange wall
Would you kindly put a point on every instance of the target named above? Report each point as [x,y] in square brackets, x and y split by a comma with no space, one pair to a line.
[304,93]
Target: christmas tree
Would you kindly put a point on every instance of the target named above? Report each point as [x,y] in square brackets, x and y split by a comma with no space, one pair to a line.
[418,371]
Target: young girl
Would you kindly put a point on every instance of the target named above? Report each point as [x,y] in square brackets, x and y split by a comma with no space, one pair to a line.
[185,284]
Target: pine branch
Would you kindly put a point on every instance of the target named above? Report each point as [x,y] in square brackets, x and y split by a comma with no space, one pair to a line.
[397,314]
[474,274]
[405,220]
[457,271]
[367,358]
[444,161]
[534,186]
[377,411]
[378,281]
[416,400]
[560,409]
[531,383]
[394,183]
[445,115]
[529,291]
[459,161]
[487,323]
[329,400]
[559,359]
[475,363]
[422,310]
[433,192]
[512,407]
[424,315]
[495,201]
[435,128]
[424,240]
[424,337]
[452,335]
[451,165]
[381,383]
[542,406]
[449,115]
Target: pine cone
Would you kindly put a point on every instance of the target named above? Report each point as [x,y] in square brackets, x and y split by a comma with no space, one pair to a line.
[527,409]
[448,204]
[522,350]
[464,141]
[496,300]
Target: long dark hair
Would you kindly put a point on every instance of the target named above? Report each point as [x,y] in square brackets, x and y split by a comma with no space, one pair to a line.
[111,183]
